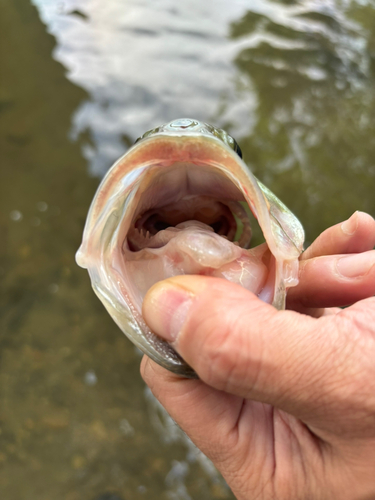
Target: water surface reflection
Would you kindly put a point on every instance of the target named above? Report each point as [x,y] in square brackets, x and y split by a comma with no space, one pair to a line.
[313,74]
[143,64]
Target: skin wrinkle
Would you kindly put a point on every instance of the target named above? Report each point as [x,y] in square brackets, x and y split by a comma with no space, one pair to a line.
[261,413]
[226,457]
[235,470]
[233,436]
[262,489]
[253,411]
[273,440]
[329,372]
[349,477]
[359,278]
[358,347]
[204,363]
[366,318]
[284,445]
[244,492]
[243,350]
[231,433]
[213,364]
[255,353]
[299,432]
[219,370]
[354,469]
[254,408]
[346,390]
[334,345]
[288,367]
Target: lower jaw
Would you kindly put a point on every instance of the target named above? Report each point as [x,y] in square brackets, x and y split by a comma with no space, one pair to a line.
[190,253]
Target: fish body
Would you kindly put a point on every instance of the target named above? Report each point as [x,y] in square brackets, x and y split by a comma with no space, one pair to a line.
[172,205]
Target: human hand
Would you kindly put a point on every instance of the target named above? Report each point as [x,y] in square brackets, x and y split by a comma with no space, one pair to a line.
[285,404]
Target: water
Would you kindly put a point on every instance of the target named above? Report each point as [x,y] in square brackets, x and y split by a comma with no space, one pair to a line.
[294,82]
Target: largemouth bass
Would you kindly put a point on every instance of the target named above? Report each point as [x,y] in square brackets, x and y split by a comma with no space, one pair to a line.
[175,204]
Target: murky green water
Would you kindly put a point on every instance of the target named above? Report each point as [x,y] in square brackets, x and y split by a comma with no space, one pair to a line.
[293,81]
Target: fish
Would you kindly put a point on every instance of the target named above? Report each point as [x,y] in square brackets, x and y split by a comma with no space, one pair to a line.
[179,202]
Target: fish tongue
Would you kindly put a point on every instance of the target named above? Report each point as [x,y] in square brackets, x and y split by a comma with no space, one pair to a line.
[192,224]
[203,245]
[213,255]
[192,247]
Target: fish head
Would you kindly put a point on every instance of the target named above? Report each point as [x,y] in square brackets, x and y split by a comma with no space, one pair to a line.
[177,203]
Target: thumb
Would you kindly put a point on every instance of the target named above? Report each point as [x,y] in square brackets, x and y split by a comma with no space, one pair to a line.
[241,345]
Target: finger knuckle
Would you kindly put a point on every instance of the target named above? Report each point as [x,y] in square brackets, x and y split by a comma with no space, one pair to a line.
[223,351]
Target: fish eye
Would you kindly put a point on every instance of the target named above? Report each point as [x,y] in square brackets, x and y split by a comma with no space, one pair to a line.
[237,148]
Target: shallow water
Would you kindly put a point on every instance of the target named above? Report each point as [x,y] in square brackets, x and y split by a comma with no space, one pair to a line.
[295,84]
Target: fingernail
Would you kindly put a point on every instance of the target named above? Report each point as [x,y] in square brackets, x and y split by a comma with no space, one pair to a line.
[349,227]
[166,309]
[357,265]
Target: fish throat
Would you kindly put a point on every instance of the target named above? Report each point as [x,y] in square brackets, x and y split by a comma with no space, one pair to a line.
[226,219]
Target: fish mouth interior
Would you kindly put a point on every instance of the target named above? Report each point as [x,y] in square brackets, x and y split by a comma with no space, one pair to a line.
[189,219]
[187,192]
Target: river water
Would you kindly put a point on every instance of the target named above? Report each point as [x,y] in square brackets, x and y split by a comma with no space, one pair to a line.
[293,81]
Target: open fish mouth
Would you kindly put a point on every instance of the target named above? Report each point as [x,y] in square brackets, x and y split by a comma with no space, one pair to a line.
[178,203]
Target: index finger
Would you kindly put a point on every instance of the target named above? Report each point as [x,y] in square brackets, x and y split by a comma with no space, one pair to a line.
[355,235]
